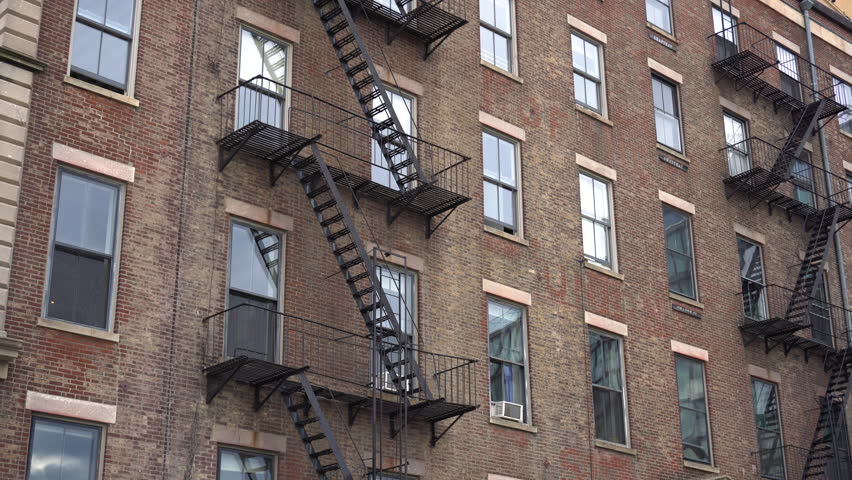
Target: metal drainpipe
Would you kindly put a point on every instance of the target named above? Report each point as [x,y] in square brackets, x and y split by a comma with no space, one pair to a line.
[823,149]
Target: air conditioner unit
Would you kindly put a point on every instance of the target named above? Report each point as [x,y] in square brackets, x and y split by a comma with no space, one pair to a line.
[508,411]
[387,382]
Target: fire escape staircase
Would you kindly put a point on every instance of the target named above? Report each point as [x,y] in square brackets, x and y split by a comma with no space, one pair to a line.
[823,454]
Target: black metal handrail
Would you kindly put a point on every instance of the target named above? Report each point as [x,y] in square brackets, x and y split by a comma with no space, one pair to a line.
[791,460]
[346,135]
[344,357]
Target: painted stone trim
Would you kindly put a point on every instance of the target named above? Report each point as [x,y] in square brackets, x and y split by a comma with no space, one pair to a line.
[93,163]
[267,24]
[503,291]
[71,408]
[241,437]
[604,323]
[401,82]
[502,126]
[262,215]
[664,71]
[595,167]
[398,257]
[676,202]
[586,29]
[750,234]
[690,351]
[734,108]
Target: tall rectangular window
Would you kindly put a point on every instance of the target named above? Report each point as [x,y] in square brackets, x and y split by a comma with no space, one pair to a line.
[849,186]
[667,113]
[726,35]
[752,280]
[244,465]
[399,287]
[405,107]
[265,99]
[101,49]
[60,450]
[843,96]
[495,32]
[788,65]
[819,314]
[252,329]
[679,252]
[803,180]
[767,418]
[659,14]
[694,421]
[596,213]
[83,252]
[508,355]
[608,393]
[736,134]
[588,67]
[500,186]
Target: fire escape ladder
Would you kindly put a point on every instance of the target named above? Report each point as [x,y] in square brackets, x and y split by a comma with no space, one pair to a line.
[810,276]
[307,415]
[794,145]
[393,344]
[829,428]
[371,94]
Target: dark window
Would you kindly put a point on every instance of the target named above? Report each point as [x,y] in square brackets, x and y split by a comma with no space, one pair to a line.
[495,32]
[692,398]
[838,468]
[242,465]
[819,314]
[788,65]
[736,135]
[753,283]
[659,14]
[666,113]
[608,388]
[586,61]
[679,254]
[843,96]
[103,34]
[253,329]
[398,286]
[500,186]
[726,34]
[63,450]
[767,418]
[803,180]
[82,258]
[264,99]
[507,350]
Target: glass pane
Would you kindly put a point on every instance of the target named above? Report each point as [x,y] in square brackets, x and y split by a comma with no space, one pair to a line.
[668,130]
[601,244]
[771,454]
[120,15]
[507,162]
[62,450]
[680,274]
[734,131]
[578,56]
[254,261]
[601,201]
[751,264]
[399,290]
[79,289]
[696,441]
[592,97]
[507,206]
[503,15]
[605,361]
[86,213]
[486,45]
[235,465]
[658,14]
[690,383]
[657,88]
[86,48]
[677,229]
[114,57]
[589,248]
[592,60]
[587,196]
[787,62]
[94,10]
[486,11]
[609,416]
[496,381]
[580,89]
[766,406]
[490,200]
[251,331]
[505,332]
[501,52]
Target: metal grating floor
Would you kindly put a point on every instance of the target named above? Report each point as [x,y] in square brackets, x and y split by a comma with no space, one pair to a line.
[428,23]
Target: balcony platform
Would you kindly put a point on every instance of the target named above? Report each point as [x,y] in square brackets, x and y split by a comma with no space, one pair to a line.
[778,331]
[428,22]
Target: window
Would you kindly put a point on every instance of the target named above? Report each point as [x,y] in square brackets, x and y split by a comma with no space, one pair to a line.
[666,113]
[819,313]
[849,186]
[399,287]
[495,32]
[843,96]
[752,280]
[789,67]
[500,187]
[243,465]
[659,14]
[596,212]
[60,449]
[586,58]
[252,330]
[103,43]
[692,398]
[264,99]
[507,350]
[404,106]
[726,34]
[736,134]
[803,180]
[608,388]
[838,465]
[679,253]
[767,418]
[83,257]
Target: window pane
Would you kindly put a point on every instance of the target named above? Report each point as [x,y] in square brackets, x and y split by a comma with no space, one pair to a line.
[63,450]
[592,94]
[658,14]
[236,465]
[690,383]
[592,60]
[787,62]
[255,261]
[503,15]
[86,213]
[578,55]
[119,15]
[490,156]
[587,196]
[771,454]
[696,441]
[766,406]
[605,361]
[602,244]
[251,331]
[79,288]
[676,225]
[751,264]
[601,201]
[501,52]
[589,247]
[609,416]
[490,200]
[580,89]
[505,332]
[114,56]
[507,206]
[507,162]
[486,45]
[486,11]
[94,10]
[86,48]
[399,290]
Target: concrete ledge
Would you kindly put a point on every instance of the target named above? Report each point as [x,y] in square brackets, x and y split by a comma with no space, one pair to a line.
[510,424]
[690,351]
[397,257]
[840,74]
[595,167]
[784,42]
[660,31]
[9,350]
[670,151]
[701,466]
[267,24]
[71,408]
[400,81]
[93,163]
[503,291]
[101,91]
[262,215]
[502,126]
[847,166]
[77,329]
[586,29]
[241,437]
[499,70]
[687,300]
[734,108]
[764,374]
[615,447]
[676,202]
[507,236]
[493,476]
[664,71]
[750,234]
[606,271]
[603,323]
[591,113]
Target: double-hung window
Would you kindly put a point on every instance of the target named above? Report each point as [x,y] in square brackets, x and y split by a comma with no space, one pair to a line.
[596,213]
[726,35]
[843,96]
[803,180]
[495,33]
[244,465]
[405,108]
[659,14]
[252,327]
[788,65]
[849,186]
[83,258]
[679,252]
[767,419]
[264,99]
[500,185]
[694,420]
[819,313]
[667,113]
[60,449]
[588,78]
[102,47]
[608,393]
[752,280]
[399,287]
[507,350]
[736,133]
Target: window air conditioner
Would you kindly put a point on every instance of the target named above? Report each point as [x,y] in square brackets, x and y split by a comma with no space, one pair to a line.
[508,411]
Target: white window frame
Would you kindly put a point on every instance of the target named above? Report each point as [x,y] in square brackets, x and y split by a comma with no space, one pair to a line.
[613,255]
[678,110]
[780,428]
[130,89]
[620,340]
[726,116]
[691,225]
[239,449]
[843,96]
[511,37]
[412,286]
[518,206]
[285,111]
[57,418]
[119,227]
[524,321]
[669,8]
[791,70]
[706,409]
[724,22]
[601,82]
[374,146]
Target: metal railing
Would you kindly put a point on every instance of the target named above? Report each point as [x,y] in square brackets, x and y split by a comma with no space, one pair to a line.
[343,358]
[345,135]
[390,9]
[787,462]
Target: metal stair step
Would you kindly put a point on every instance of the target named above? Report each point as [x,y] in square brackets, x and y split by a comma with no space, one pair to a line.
[341,250]
[313,438]
[340,233]
[328,468]
[321,453]
[351,263]
[350,55]
[307,421]
[325,206]
[332,220]
[331,14]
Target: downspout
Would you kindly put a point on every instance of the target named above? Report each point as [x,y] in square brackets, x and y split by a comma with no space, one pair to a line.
[823,149]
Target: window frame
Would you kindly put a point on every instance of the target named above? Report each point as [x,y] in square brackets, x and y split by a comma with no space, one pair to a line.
[801,184]
[279,300]
[239,449]
[600,82]
[744,152]
[678,112]
[706,408]
[762,284]
[669,9]
[528,418]
[112,296]
[780,432]
[844,98]
[517,197]
[731,37]
[692,250]
[132,56]
[102,434]
[783,69]
[412,286]
[511,49]
[285,111]
[611,237]
[413,99]
[624,403]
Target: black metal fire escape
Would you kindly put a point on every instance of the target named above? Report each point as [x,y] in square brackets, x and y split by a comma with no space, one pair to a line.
[823,456]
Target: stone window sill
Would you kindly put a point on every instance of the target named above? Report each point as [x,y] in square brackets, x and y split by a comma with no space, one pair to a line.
[77,329]
[615,447]
[660,31]
[101,91]
[672,152]
[687,300]
[701,466]
[603,270]
[507,236]
[499,70]
[597,116]
[844,132]
[510,424]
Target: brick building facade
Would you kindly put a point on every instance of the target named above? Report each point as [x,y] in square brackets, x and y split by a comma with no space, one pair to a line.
[660,136]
